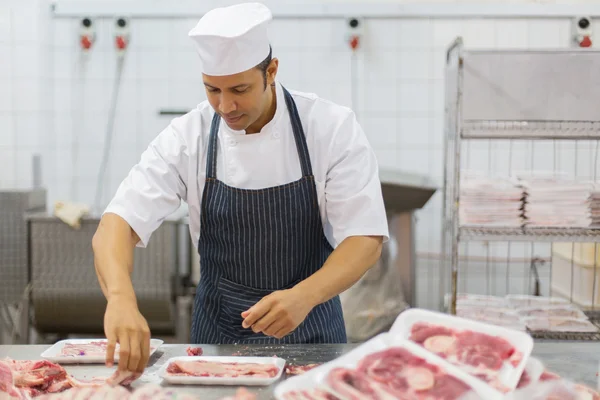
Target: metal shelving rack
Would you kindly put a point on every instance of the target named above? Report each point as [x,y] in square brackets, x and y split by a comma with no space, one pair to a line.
[512,95]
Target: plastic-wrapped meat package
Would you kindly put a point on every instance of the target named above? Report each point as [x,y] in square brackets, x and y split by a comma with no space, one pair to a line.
[476,353]
[496,316]
[563,311]
[476,300]
[396,373]
[559,324]
[557,389]
[309,394]
[523,301]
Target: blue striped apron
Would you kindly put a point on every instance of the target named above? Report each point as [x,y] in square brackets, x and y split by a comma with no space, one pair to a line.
[253,242]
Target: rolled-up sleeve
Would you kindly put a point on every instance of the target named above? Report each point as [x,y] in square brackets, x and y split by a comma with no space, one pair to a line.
[155,186]
[353,193]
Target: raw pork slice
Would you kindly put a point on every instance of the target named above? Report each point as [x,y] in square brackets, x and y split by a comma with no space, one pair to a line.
[92,349]
[194,351]
[28,379]
[559,324]
[309,394]
[299,369]
[479,354]
[396,373]
[222,369]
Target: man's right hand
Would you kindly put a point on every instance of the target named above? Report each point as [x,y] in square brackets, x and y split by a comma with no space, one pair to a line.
[124,324]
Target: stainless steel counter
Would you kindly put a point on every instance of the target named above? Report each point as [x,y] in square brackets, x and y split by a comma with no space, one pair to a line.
[574,360]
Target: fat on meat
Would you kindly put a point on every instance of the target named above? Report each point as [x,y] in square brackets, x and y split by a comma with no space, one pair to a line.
[396,373]
[220,369]
[479,354]
[24,379]
[299,369]
[309,394]
[194,351]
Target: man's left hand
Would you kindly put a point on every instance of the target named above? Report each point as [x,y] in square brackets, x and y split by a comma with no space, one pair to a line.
[278,314]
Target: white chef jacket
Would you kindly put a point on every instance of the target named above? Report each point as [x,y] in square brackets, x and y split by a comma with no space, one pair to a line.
[173,168]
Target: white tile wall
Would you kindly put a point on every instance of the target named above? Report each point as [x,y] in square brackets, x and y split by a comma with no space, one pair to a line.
[51,94]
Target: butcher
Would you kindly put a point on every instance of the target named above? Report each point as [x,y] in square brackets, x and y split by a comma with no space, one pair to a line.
[283,194]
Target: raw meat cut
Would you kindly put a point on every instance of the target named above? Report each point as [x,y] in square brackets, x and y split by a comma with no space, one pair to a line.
[146,392]
[309,394]
[28,378]
[583,391]
[559,324]
[395,373]
[299,369]
[91,349]
[479,354]
[194,351]
[552,311]
[222,369]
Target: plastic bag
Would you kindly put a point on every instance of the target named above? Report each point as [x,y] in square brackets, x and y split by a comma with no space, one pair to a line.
[373,303]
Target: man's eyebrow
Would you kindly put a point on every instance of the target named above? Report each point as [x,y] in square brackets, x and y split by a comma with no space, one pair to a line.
[233,87]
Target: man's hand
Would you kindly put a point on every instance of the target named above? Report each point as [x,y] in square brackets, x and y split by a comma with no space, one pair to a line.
[279,313]
[124,324]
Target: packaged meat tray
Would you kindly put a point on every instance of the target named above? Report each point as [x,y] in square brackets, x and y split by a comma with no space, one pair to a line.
[85,351]
[523,301]
[217,370]
[476,300]
[560,324]
[495,355]
[386,367]
[566,311]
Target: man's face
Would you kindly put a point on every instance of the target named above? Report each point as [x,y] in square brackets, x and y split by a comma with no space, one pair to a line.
[242,98]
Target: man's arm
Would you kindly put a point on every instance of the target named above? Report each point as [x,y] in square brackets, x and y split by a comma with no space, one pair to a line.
[113,245]
[152,190]
[356,212]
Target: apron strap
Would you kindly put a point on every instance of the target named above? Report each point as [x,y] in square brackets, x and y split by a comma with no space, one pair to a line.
[298,134]
[301,146]
[211,156]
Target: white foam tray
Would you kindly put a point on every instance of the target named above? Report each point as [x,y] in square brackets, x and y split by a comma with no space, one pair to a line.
[242,380]
[53,353]
[316,377]
[522,341]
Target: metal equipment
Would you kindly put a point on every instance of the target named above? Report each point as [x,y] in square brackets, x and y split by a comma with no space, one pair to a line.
[522,101]
[66,296]
[14,272]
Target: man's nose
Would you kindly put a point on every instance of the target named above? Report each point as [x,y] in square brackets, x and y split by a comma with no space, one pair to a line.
[227,105]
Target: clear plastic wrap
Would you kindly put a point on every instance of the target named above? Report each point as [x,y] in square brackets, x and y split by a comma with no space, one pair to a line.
[373,303]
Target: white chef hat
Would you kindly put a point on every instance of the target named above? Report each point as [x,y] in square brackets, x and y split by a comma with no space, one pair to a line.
[232,39]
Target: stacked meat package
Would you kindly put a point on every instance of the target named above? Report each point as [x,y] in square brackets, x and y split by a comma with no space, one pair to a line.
[522,312]
[557,202]
[488,201]
[434,356]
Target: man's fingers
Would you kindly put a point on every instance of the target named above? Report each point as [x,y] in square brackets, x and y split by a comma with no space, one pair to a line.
[135,350]
[145,351]
[256,312]
[274,328]
[110,350]
[124,350]
[262,324]
[282,332]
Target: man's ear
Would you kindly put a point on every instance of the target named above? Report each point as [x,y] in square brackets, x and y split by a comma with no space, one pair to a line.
[272,71]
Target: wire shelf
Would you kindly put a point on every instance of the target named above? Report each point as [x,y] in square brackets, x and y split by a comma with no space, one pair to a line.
[571,130]
[537,234]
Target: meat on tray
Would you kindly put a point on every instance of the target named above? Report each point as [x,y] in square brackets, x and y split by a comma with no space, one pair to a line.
[146,392]
[395,373]
[35,378]
[559,324]
[91,349]
[479,354]
[309,394]
[194,351]
[299,369]
[552,311]
[583,391]
[222,369]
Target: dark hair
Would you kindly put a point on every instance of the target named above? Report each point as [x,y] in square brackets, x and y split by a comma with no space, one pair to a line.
[264,64]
